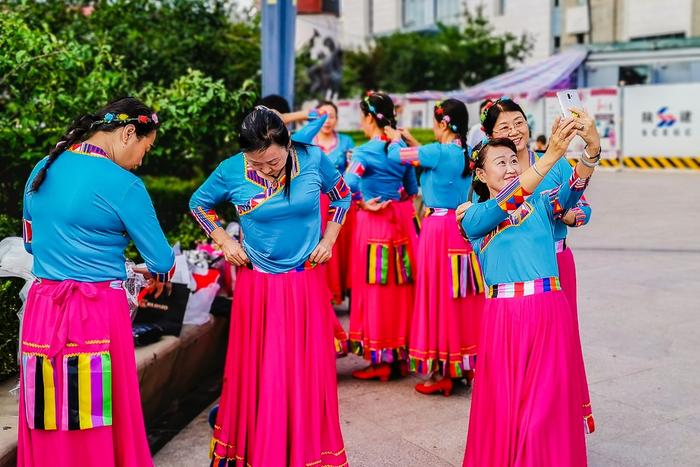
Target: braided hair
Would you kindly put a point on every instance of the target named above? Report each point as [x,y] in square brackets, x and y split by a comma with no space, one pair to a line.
[114,115]
[380,106]
[454,113]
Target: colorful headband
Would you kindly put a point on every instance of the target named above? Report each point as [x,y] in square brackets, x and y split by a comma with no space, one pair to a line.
[490,104]
[438,108]
[124,119]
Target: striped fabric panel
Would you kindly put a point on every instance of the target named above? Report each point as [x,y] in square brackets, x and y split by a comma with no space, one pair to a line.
[87,391]
[459,266]
[512,196]
[404,274]
[356,168]
[27,230]
[437,212]
[557,208]
[466,274]
[339,191]
[207,219]
[477,274]
[523,289]
[377,263]
[409,156]
[337,214]
[164,276]
[39,386]
[576,183]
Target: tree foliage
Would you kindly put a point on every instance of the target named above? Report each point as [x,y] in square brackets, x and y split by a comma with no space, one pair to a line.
[186,58]
[443,60]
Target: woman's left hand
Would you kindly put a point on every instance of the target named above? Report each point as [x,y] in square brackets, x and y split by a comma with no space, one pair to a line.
[587,130]
[322,253]
[462,210]
[152,285]
[569,218]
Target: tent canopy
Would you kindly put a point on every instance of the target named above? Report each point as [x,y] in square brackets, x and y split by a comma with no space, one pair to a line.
[530,81]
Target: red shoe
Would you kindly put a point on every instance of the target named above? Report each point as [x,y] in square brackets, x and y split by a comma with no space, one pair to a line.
[444,386]
[383,372]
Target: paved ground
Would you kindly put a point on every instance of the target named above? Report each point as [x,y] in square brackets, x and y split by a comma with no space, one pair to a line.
[639,278]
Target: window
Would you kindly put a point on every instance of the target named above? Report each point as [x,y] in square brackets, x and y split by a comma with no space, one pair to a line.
[500,7]
[556,3]
[332,7]
[580,38]
[676,35]
[557,43]
[448,11]
[639,74]
[417,14]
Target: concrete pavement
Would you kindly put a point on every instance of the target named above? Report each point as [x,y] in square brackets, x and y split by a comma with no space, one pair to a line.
[639,280]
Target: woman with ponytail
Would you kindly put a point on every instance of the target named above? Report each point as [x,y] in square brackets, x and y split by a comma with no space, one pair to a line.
[525,407]
[504,118]
[79,391]
[279,402]
[449,287]
[385,240]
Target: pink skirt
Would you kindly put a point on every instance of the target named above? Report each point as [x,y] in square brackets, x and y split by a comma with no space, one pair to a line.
[383,274]
[338,267]
[279,403]
[79,391]
[526,408]
[449,300]
[567,277]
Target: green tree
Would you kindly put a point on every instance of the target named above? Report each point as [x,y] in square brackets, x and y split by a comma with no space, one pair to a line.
[445,59]
[45,81]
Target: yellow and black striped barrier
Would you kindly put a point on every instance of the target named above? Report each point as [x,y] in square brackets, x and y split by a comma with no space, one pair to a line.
[651,162]
[610,163]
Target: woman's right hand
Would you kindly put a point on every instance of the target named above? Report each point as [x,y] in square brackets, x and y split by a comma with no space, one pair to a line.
[392,133]
[563,131]
[234,252]
[374,204]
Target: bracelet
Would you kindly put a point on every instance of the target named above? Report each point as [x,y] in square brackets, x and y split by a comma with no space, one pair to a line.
[534,167]
[592,158]
[590,164]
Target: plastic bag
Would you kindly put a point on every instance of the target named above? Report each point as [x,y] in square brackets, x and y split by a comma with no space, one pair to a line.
[199,304]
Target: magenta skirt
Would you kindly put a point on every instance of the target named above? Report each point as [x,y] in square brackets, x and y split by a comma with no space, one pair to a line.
[526,407]
[449,299]
[79,392]
[279,403]
[383,275]
[567,276]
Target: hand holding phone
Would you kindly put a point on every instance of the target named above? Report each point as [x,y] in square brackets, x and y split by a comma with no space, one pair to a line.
[567,100]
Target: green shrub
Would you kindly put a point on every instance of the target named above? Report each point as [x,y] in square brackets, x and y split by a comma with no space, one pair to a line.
[423,135]
[9,325]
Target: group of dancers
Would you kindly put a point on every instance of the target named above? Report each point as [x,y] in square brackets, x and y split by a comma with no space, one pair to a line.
[478,284]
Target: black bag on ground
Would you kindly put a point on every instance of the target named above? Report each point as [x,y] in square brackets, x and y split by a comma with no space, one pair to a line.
[167,311]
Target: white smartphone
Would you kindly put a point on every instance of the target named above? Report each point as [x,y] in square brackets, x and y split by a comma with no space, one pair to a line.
[567,100]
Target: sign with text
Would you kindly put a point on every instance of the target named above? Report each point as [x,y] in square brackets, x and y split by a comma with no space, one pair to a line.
[662,120]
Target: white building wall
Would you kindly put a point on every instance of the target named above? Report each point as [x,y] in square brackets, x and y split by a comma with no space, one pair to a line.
[387,15]
[522,16]
[644,18]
